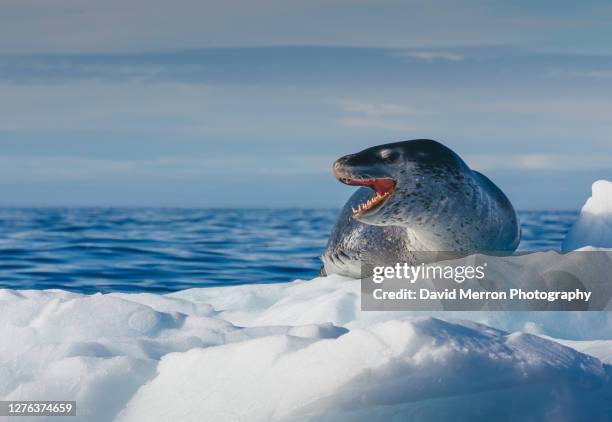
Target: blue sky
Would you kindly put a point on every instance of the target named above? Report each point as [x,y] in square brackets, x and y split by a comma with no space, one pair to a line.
[243,103]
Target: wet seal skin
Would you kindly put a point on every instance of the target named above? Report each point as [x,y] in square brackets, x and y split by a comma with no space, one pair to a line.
[415,196]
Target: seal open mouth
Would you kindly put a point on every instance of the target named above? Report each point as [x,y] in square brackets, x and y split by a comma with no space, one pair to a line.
[383,188]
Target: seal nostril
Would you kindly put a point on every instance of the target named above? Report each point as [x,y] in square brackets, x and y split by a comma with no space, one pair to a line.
[338,167]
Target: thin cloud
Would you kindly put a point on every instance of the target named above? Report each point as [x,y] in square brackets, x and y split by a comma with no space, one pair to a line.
[387,116]
[431,55]
[69,168]
[605,73]
[157,25]
[551,161]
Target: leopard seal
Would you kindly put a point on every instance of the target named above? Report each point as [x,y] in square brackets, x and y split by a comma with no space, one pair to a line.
[415,196]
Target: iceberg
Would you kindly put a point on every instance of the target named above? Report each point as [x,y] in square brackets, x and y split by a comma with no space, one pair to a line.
[594,226]
[422,369]
[304,350]
[294,351]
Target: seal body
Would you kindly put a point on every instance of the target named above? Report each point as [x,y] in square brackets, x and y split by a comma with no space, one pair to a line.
[418,198]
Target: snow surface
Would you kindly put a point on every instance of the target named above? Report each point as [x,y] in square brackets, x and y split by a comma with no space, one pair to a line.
[594,226]
[294,351]
[304,351]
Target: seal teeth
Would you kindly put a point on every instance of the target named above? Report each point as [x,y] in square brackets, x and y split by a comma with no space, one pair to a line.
[370,202]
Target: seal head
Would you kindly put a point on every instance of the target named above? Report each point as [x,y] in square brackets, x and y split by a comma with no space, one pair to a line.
[398,171]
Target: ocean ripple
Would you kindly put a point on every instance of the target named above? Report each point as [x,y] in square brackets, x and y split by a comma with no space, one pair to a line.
[163,249]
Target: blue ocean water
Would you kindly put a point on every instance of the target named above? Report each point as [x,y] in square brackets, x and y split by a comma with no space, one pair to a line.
[162,249]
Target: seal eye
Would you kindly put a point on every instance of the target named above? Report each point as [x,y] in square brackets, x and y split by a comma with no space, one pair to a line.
[389,156]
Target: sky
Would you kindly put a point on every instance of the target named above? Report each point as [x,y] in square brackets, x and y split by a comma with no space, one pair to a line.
[247,104]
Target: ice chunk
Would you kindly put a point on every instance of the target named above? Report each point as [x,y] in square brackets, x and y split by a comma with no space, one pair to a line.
[594,226]
[99,349]
[403,369]
[290,350]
